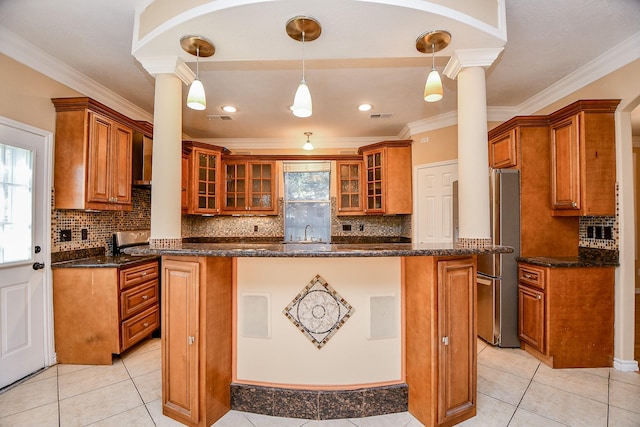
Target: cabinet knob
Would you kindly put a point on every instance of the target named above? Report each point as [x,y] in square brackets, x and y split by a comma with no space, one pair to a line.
[574,205]
[144,273]
[539,297]
[445,340]
[145,296]
[145,324]
[191,339]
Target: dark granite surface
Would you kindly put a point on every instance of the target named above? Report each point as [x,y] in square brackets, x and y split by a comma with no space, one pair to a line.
[105,261]
[564,262]
[320,404]
[318,250]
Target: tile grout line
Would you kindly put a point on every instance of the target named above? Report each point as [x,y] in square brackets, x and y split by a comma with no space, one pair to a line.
[523,394]
[146,408]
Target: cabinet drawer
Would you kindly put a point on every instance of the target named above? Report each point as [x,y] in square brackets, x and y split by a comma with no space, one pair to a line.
[135,300]
[138,274]
[140,326]
[531,276]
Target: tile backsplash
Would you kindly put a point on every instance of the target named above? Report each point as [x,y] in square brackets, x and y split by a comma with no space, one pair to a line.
[100,226]
[601,232]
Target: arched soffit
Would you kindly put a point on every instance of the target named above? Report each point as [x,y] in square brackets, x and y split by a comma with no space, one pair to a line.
[253,30]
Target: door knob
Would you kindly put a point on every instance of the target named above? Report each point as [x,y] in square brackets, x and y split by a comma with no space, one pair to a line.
[38,265]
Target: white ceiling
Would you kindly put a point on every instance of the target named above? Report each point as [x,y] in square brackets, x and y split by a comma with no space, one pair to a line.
[366,53]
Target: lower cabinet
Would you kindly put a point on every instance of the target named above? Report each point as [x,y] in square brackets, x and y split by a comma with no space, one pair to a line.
[441,338]
[196,338]
[566,315]
[99,312]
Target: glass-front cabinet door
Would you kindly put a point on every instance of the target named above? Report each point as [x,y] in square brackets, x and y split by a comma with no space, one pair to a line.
[201,180]
[249,187]
[375,201]
[349,187]
[207,168]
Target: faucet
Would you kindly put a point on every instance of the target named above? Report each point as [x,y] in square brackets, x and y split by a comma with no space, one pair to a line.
[305,231]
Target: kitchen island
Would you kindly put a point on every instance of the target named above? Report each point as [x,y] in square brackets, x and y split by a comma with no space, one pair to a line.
[349,330]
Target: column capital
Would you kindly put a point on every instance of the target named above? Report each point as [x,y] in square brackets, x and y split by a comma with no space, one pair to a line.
[168,65]
[463,58]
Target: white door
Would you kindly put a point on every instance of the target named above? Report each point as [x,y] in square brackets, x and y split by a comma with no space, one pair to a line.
[24,246]
[433,219]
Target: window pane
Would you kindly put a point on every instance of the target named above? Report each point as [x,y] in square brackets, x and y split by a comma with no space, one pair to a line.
[16,204]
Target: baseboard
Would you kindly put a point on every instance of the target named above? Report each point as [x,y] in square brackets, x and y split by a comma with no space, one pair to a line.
[625,365]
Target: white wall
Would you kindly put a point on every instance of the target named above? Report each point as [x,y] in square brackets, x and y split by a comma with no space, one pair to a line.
[350,357]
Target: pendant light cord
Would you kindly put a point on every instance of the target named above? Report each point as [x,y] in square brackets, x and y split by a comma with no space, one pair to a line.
[303,57]
[198,62]
[433,56]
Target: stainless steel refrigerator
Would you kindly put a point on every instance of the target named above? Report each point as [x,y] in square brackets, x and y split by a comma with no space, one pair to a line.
[497,280]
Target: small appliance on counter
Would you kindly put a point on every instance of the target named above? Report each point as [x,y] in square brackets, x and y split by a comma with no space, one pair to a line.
[129,238]
[497,279]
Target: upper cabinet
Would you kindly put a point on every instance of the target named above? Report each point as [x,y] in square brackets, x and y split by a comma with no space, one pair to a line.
[503,150]
[583,167]
[201,178]
[387,177]
[349,187]
[249,186]
[93,151]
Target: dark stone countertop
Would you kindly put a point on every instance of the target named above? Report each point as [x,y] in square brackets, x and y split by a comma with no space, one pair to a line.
[105,261]
[301,250]
[567,262]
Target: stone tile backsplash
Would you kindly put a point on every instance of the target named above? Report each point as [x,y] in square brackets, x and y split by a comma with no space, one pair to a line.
[100,226]
[601,232]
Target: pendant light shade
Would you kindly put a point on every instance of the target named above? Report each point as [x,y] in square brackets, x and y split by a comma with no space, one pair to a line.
[432,42]
[433,87]
[302,106]
[198,46]
[196,99]
[307,145]
[303,28]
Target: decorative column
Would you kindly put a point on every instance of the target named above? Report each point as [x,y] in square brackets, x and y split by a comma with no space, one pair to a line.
[473,158]
[166,179]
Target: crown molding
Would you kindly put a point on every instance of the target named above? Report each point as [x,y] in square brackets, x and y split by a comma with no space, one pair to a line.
[288,143]
[613,59]
[33,57]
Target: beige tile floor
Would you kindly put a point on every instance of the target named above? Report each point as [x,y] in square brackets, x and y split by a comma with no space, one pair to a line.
[514,389]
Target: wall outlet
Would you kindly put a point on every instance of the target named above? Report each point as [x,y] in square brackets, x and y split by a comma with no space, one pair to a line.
[255,228]
[85,233]
[65,235]
[346,227]
[361,227]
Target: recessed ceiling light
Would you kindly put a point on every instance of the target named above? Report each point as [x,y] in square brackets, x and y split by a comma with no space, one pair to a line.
[364,107]
[229,108]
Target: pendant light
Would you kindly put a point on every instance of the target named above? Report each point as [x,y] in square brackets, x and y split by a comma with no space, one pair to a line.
[198,46]
[303,28]
[307,145]
[432,42]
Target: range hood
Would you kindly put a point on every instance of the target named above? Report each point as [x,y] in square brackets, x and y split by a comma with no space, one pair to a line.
[141,160]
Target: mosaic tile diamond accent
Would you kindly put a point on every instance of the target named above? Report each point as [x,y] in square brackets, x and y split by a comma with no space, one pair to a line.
[318,311]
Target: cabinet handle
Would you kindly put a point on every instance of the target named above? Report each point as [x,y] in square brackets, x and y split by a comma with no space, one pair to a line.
[445,340]
[145,296]
[574,205]
[191,340]
[144,273]
[145,324]
[539,297]
[527,276]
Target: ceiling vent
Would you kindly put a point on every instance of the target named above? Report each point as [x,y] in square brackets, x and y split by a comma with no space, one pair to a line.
[380,115]
[219,116]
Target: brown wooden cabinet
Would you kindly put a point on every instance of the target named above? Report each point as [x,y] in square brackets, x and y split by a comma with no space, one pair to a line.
[349,198]
[503,150]
[583,159]
[566,315]
[531,306]
[441,338]
[387,177]
[196,338]
[92,156]
[541,234]
[99,312]
[249,186]
[201,178]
